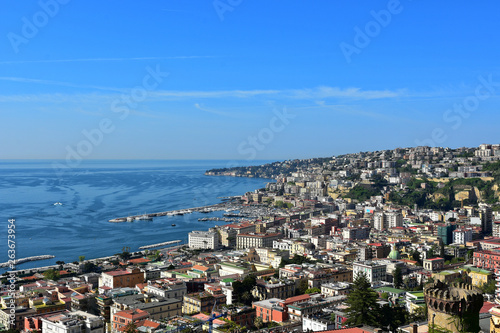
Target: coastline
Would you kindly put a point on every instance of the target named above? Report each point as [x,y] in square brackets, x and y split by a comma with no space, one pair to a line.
[37,220]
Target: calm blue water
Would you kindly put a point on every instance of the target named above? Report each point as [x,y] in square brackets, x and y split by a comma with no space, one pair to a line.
[94,192]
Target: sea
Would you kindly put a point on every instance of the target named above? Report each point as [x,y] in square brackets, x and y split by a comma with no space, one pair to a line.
[92,192]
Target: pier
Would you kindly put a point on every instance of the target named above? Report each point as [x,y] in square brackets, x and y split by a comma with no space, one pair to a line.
[202,209]
[23,260]
[158,245]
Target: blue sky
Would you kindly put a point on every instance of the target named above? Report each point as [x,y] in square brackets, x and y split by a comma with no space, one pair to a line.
[246,79]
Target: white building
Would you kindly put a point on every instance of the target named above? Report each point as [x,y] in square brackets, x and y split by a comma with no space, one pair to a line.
[226,268]
[496,229]
[310,323]
[168,289]
[461,236]
[355,233]
[383,221]
[394,219]
[336,288]
[203,240]
[282,244]
[73,322]
[373,271]
[379,221]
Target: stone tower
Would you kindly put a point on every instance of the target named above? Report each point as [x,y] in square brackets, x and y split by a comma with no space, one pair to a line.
[454,307]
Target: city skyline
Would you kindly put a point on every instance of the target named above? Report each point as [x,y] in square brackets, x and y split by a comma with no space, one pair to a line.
[246,80]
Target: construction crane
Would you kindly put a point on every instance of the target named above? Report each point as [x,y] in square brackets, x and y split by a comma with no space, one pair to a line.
[211,320]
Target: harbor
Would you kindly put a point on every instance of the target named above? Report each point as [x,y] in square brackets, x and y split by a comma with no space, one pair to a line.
[203,209]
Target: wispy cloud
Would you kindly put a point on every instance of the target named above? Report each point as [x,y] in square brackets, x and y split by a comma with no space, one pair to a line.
[310,94]
[356,111]
[58,83]
[214,94]
[335,92]
[209,110]
[8,62]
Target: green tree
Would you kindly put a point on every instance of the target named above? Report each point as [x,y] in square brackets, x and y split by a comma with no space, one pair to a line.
[242,289]
[125,255]
[416,256]
[11,330]
[131,328]
[312,290]
[419,314]
[258,322]
[81,258]
[392,317]
[489,288]
[302,287]
[362,302]
[51,274]
[384,295]
[247,297]
[89,267]
[398,278]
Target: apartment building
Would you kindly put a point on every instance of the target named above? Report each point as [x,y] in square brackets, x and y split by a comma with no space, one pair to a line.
[203,240]
[249,240]
[122,278]
[72,322]
[372,270]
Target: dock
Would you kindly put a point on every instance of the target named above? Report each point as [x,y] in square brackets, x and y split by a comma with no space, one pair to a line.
[202,209]
[158,245]
[23,260]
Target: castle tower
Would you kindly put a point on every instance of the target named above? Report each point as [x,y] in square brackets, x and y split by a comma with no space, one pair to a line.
[454,307]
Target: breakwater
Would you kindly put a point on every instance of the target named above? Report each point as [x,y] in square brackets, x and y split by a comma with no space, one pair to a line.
[202,209]
[27,259]
[158,244]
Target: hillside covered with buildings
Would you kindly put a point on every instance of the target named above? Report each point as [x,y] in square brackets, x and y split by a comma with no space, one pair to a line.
[404,239]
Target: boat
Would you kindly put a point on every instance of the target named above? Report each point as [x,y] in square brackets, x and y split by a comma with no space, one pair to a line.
[144,217]
[173,224]
[58,204]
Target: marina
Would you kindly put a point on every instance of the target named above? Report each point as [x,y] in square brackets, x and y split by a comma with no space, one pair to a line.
[149,217]
[217,219]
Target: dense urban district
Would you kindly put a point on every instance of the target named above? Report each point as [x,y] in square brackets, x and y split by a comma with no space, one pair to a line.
[403,240]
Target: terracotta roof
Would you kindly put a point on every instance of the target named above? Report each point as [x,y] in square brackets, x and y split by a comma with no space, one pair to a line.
[132,314]
[348,330]
[200,268]
[297,298]
[141,285]
[147,323]
[139,261]
[30,278]
[117,273]
[486,307]
[262,235]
